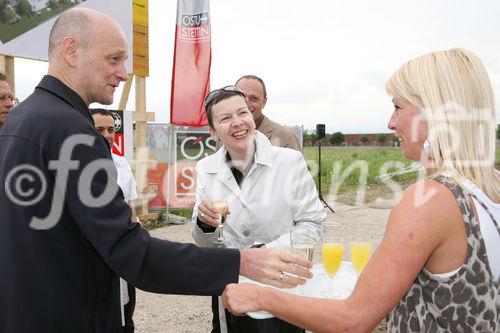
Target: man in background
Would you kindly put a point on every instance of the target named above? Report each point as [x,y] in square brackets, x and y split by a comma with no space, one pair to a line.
[7,98]
[104,123]
[256,97]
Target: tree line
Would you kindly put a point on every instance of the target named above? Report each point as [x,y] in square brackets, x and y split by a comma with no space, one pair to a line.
[338,138]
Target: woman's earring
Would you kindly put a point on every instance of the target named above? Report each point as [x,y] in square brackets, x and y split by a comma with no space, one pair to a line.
[427,148]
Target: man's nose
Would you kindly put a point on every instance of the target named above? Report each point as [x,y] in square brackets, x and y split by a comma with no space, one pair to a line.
[122,73]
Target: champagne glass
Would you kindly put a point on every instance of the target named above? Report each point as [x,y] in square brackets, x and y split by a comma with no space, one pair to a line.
[360,253]
[303,238]
[332,251]
[222,208]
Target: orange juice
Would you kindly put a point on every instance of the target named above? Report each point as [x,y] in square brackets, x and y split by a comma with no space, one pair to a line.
[360,253]
[332,257]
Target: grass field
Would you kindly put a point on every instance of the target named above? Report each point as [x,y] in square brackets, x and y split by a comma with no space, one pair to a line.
[346,171]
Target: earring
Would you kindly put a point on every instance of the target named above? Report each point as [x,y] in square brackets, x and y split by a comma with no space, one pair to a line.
[427,148]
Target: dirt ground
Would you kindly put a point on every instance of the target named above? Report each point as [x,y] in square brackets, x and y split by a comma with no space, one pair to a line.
[191,314]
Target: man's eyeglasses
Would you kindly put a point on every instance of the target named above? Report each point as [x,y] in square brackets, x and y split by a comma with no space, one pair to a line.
[214,93]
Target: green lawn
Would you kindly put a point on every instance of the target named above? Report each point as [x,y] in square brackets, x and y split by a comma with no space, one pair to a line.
[343,169]
[365,162]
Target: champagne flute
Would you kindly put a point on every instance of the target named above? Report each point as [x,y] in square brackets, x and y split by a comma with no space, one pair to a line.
[360,254]
[303,238]
[222,208]
[332,251]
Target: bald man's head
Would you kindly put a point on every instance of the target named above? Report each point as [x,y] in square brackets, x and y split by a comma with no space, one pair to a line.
[74,22]
[87,52]
[79,23]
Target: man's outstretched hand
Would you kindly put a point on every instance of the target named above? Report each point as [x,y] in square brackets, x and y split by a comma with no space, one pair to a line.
[274,267]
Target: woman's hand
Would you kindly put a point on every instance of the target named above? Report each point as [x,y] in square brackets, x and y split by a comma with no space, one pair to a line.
[242,298]
[207,214]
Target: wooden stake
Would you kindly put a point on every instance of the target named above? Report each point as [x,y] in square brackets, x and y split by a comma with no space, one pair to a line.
[125,93]
[142,156]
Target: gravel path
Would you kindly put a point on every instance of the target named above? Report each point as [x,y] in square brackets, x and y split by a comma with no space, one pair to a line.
[191,314]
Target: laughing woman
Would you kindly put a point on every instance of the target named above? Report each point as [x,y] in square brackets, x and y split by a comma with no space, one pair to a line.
[438,266]
[267,189]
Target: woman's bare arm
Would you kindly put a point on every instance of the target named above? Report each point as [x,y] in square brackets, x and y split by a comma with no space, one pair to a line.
[417,227]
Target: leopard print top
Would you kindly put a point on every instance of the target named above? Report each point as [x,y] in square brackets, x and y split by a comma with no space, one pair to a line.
[467,301]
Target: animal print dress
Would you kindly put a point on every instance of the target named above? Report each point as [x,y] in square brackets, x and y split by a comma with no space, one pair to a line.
[467,301]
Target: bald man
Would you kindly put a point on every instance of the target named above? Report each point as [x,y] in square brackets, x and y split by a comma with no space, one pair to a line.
[6,98]
[65,231]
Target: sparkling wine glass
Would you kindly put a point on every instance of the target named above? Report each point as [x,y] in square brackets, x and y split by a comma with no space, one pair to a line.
[332,251]
[303,238]
[221,207]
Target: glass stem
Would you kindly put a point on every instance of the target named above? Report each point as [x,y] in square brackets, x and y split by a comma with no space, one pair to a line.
[330,287]
[221,231]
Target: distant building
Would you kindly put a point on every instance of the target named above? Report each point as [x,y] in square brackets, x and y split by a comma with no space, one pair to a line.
[373,139]
[355,140]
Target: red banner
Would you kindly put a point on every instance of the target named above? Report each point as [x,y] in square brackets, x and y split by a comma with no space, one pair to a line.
[192,59]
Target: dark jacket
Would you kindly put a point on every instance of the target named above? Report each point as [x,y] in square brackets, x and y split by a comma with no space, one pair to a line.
[65,278]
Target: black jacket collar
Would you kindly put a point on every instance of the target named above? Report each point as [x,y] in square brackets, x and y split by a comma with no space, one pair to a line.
[58,88]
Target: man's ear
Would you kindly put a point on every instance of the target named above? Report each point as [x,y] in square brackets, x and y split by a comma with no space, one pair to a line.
[265,101]
[69,51]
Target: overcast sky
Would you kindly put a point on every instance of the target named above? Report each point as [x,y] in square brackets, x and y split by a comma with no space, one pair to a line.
[323,61]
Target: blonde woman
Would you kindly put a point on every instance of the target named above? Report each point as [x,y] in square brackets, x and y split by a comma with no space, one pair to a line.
[437,268]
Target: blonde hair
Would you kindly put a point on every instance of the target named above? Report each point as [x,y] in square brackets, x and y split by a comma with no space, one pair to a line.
[453,91]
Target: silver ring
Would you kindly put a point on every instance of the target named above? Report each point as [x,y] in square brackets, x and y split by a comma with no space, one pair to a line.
[282,276]
[202,214]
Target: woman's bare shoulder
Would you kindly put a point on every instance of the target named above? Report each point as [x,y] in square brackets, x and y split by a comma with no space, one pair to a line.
[425,208]
[426,197]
